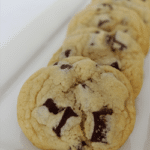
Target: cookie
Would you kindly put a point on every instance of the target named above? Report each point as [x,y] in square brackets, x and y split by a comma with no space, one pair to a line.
[140,3]
[141,7]
[110,17]
[116,49]
[76,104]
[133,34]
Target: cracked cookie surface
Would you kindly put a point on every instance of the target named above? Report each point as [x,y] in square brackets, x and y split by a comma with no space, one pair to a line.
[75,104]
[109,17]
[116,49]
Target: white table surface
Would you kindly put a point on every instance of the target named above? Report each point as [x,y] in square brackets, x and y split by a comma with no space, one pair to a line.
[17,14]
[31,50]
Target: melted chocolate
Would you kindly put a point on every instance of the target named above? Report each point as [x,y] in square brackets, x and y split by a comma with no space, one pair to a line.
[90,79]
[102,22]
[97,32]
[122,46]
[67,52]
[67,114]
[108,6]
[92,44]
[52,106]
[84,85]
[81,146]
[99,119]
[83,143]
[115,65]
[56,63]
[66,66]
[109,39]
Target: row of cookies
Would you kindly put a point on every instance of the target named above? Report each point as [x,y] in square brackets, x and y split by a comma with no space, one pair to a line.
[108,33]
[84,98]
[108,15]
[141,7]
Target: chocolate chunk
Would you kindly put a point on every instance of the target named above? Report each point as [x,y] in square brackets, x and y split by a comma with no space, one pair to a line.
[90,79]
[56,63]
[67,52]
[81,146]
[104,4]
[67,114]
[52,106]
[102,22]
[115,65]
[83,85]
[97,32]
[66,66]
[109,39]
[122,46]
[70,148]
[98,9]
[92,44]
[99,134]
[83,143]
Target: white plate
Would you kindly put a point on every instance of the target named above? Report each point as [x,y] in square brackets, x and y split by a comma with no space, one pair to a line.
[31,50]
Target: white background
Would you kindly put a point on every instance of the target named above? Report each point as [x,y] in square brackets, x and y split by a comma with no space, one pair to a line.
[16,14]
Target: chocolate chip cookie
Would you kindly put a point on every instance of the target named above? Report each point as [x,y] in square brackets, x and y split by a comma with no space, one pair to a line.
[110,17]
[116,49]
[76,104]
[141,7]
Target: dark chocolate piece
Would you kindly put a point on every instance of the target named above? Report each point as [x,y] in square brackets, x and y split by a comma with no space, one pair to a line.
[81,146]
[56,63]
[52,106]
[67,52]
[102,22]
[66,66]
[83,143]
[100,125]
[109,39]
[90,79]
[104,4]
[122,46]
[92,44]
[84,85]
[67,114]
[70,148]
[97,32]
[115,65]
